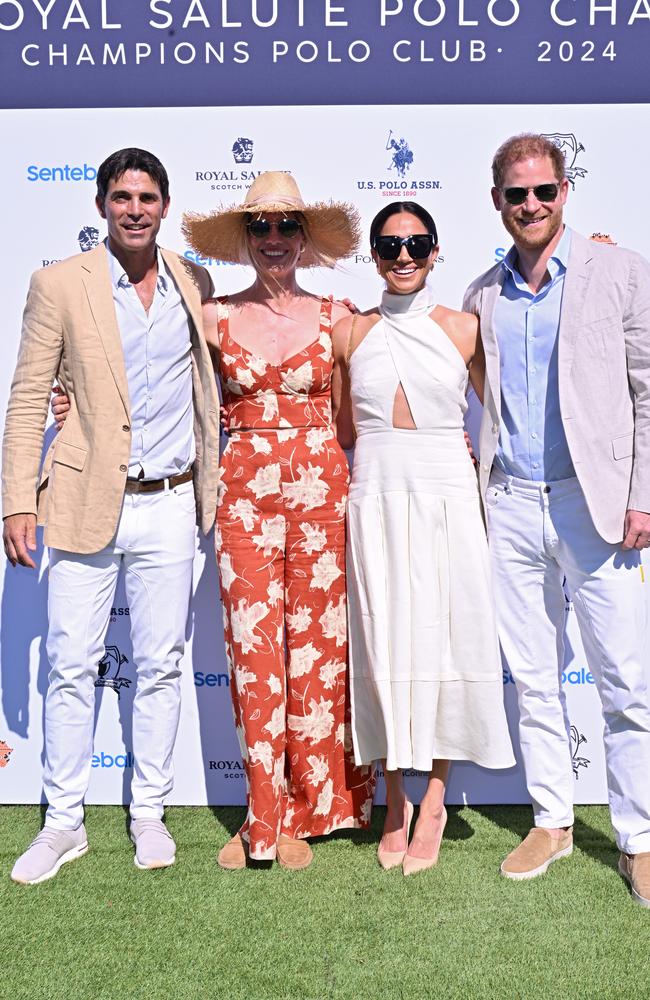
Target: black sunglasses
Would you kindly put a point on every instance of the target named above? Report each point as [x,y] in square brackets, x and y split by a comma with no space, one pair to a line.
[542,192]
[285,227]
[390,247]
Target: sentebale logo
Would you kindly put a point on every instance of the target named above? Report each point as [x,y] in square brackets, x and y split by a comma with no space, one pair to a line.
[577,741]
[109,670]
[61,174]
[570,148]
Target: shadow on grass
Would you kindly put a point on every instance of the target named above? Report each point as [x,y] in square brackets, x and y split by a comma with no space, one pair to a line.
[457,829]
[230,817]
[591,841]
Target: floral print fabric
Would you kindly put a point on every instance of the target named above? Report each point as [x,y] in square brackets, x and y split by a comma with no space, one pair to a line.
[280,540]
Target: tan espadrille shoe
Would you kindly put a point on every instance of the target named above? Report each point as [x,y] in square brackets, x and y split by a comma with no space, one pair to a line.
[294,854]
[233,854]
[536,852]
[635,869]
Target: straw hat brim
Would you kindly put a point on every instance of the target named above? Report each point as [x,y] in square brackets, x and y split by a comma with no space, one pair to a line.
[334,230]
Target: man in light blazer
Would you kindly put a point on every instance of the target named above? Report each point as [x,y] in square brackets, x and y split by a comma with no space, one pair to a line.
[565,479]
[122,485]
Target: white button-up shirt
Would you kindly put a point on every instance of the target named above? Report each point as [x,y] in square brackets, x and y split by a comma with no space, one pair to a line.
[158,364]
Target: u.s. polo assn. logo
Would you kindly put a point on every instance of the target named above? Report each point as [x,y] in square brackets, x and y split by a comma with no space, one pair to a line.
[401,154]
[397,179]
[570,148]
[109,668]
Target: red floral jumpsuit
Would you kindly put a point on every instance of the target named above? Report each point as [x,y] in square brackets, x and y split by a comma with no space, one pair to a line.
[280,540]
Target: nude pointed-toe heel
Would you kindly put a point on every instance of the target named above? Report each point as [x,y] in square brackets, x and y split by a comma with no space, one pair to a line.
[393,859]
[412,865]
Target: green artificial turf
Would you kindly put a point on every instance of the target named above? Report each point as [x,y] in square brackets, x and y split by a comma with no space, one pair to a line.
[341,929]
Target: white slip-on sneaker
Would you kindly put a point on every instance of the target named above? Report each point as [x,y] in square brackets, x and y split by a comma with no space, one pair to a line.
[154,844]
[45,855]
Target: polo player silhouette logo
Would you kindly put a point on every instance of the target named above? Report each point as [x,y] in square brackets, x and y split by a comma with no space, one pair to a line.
[242,150]
[109,670]
[402,156]
[5,753]
[88,238]
[570,148]
[578,740]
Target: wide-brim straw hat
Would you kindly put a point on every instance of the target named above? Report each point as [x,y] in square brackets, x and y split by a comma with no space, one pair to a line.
[333,228]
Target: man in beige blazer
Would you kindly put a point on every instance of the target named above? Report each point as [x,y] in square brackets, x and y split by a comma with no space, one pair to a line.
[122,486]
[565,478]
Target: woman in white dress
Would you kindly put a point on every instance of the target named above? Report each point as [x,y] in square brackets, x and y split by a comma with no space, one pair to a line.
[425,670]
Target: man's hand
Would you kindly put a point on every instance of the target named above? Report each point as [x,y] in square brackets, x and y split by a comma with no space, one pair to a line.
[60,406]
[19,536]
[637,530]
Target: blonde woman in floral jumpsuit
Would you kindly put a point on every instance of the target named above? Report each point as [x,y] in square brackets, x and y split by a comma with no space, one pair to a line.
[280,533]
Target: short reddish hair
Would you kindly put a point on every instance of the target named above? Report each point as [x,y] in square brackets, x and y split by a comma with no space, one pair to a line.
[521,147]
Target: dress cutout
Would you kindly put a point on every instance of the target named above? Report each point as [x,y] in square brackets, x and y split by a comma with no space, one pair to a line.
[280,539]
[425,669]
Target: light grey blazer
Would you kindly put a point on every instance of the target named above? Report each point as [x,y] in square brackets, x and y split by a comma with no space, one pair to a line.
[604,377]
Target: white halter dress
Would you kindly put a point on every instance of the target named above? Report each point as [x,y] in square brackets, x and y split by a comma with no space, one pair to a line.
[426,678]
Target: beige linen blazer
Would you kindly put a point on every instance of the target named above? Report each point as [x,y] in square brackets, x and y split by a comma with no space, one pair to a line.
[604,377]
[70,334]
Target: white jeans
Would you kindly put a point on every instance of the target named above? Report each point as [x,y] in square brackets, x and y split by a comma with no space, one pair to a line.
[155,543]
[539,534]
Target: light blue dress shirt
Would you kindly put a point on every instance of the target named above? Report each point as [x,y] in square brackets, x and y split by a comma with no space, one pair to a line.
[532,443]
[158,363]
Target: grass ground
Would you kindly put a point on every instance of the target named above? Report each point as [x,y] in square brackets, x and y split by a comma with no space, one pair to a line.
[102,930]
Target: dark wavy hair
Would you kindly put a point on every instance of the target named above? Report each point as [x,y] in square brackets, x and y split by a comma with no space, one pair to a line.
[396,208]
[118,163]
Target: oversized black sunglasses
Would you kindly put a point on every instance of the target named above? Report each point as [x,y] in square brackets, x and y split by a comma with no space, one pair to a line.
[542,192]
[285,227]
[390,247]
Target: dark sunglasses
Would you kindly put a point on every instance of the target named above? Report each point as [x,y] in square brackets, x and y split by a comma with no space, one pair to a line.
[285,227]
[390,247]
[542,192]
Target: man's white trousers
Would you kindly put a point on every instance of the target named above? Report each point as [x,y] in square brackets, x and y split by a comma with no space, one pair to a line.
[541,534]
[155,544]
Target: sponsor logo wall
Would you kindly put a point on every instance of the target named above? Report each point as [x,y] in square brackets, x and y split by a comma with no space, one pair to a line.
[438,155]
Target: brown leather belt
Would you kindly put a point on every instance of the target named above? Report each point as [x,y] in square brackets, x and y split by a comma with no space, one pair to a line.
[156,485]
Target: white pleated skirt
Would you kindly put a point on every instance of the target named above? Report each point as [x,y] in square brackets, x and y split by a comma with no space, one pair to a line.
[425,670]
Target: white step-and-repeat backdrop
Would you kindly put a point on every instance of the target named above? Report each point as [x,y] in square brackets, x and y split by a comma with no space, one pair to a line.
[367,155]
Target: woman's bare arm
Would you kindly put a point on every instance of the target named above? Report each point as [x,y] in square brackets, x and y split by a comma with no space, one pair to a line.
[341,402]
[210,316]
[477,364]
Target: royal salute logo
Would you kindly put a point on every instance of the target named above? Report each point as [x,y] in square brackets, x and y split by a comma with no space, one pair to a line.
[570,148]
[577,741]
[398,181]
[242,150]
[5,753]
[109,668]
[228,768]
[227,179]
[88,238]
